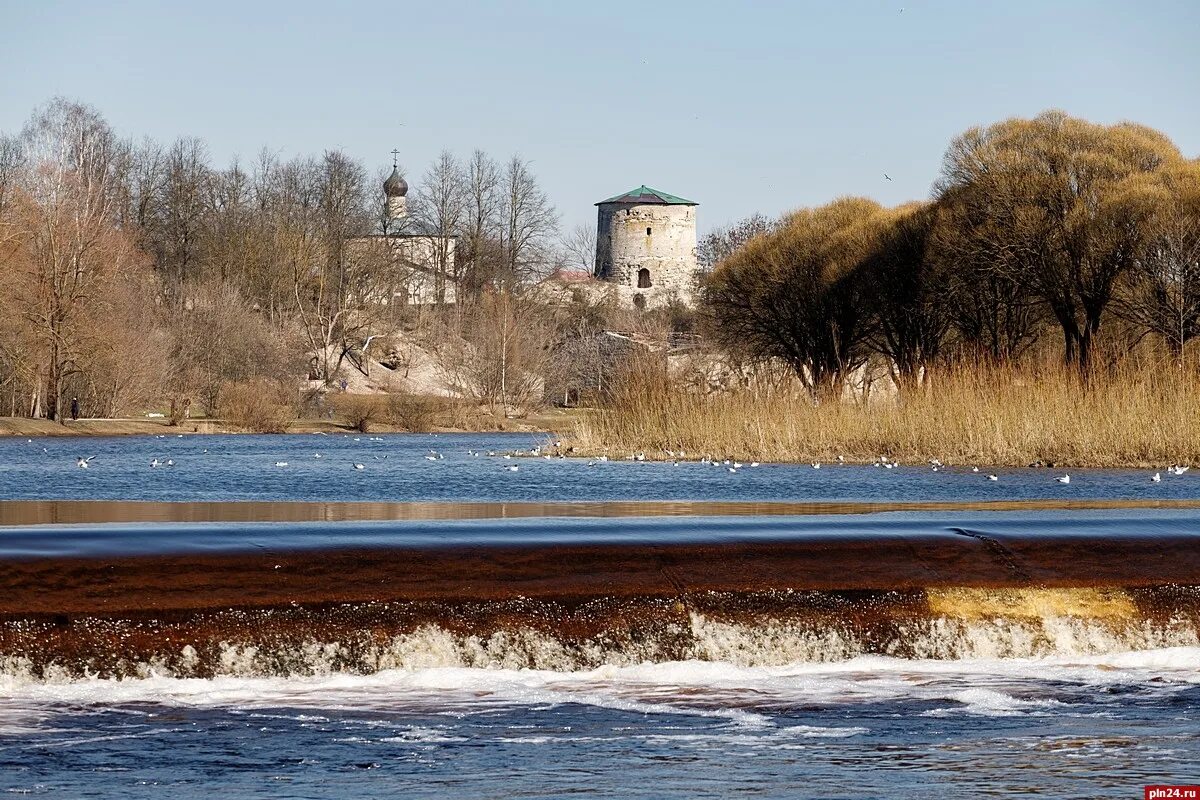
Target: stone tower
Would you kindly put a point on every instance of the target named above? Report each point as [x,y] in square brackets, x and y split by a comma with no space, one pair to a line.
[646,246]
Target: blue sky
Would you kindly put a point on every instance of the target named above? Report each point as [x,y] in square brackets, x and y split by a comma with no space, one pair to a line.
[742,107]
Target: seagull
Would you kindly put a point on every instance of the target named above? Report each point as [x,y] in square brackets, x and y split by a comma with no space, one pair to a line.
[170,462]
[1156,477]
[513,468]
[992,478]
[591,463]
[316,455]
[82,463]
[974,469]
[841,459]
[431,458]
[154,462]
[754,463]
[281,463]
[1064,479]
[816,465]
[360,466]
[732,469]
[888,177]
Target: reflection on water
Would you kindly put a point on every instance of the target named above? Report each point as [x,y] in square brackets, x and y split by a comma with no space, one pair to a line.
[72,512]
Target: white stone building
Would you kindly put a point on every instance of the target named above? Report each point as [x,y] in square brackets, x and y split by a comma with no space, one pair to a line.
[425,258]
[646,247]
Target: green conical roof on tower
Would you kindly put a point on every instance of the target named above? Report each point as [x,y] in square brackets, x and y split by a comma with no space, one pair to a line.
[644,195]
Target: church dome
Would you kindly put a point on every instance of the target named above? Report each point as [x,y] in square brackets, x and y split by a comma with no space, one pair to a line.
[395,186]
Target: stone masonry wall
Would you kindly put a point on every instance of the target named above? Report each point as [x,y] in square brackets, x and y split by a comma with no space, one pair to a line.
[658,238]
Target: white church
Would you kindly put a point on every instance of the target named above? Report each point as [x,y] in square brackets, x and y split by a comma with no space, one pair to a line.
[427,257]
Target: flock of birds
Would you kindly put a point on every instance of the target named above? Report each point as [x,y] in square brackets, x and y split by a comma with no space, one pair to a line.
[555,451]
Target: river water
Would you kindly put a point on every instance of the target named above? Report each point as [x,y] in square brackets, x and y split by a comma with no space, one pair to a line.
[897,692]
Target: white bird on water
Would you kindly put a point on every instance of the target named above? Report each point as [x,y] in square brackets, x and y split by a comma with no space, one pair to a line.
[281,463]
[82,463]
[154,462]
[513,468]
[993,478]
[1156,477]
[360,466]
[816,465]
[1064,479]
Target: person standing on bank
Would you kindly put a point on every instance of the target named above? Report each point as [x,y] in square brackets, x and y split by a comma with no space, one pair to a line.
[74,408]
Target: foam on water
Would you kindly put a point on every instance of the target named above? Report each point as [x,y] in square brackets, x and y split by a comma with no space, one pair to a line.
[759,643]
[704,688]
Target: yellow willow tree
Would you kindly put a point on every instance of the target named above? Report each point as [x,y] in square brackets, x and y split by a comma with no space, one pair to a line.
[795,295]
[68,248]
[1155,222]
[1029,193]
[904,284]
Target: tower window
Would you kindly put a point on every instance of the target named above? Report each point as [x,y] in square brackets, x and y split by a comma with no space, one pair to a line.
[647,231]
[644,278]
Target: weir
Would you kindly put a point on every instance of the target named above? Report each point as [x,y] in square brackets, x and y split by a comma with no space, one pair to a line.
[571,592]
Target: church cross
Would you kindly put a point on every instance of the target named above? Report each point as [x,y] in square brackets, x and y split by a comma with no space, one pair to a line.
[395,158]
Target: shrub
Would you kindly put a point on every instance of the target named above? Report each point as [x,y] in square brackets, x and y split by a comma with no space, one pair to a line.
[415,413]
[361,412]
[258,405]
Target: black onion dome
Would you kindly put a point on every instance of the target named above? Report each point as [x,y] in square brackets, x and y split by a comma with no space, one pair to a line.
[395,186]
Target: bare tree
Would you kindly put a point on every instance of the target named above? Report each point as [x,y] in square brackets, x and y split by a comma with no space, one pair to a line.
[181,211]
[69,245]
[528,221]
[719,244]
[481,253]
[441,207]
[578,249]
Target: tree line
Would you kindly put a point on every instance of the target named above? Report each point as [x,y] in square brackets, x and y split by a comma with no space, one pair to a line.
[1040,230]
[132,269]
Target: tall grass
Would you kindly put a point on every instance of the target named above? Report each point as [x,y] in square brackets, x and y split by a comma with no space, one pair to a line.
[979,416]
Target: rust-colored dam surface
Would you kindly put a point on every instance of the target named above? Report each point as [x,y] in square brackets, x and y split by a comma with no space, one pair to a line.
[395,552]
[121,588]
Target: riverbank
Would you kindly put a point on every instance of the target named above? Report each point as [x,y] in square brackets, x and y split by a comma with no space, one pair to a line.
[998,418]
[548,421]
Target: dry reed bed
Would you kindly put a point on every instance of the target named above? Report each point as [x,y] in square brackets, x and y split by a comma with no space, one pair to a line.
[1000,418]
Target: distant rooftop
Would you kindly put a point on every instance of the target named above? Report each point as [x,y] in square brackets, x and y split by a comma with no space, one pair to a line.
[644,195]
